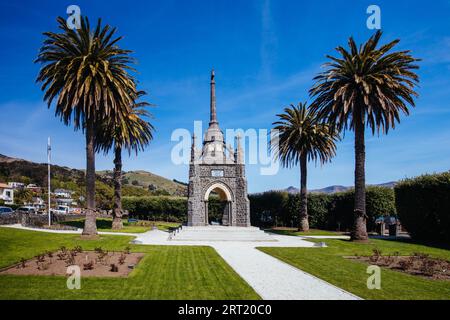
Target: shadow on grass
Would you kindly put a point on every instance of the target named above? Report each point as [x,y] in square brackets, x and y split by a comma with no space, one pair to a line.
[311,232]
[433,244]
[101,223]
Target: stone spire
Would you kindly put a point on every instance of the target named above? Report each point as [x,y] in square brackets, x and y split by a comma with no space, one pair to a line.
[193,148]
[239,152]
[214,147]
[213,115]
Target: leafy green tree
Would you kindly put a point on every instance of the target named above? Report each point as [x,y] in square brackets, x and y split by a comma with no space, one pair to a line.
[367,86]
[303,137]
[22,196]
[86,75]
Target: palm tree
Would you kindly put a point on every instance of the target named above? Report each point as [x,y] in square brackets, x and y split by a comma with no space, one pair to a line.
[302,137]
[368,86]
[87,77]
[132,133]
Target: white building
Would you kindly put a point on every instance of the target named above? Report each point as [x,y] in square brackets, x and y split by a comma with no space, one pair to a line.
[63,193]
[16,185]
[38,203]
[33,187]
[6,193]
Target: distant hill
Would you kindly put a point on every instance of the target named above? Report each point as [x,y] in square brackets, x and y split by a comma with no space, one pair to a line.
[337,188]
[6,159]
[14,169]
[20,170]
[149,181]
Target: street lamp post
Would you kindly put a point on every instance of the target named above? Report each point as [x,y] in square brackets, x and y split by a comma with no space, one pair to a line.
[49,149]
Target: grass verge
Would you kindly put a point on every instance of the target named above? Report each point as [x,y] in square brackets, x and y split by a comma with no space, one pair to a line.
[329,265]
[165,272]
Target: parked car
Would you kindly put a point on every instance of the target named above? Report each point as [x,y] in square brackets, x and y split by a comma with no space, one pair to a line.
[75,210]
[31,210]
[60,210]
[6,210]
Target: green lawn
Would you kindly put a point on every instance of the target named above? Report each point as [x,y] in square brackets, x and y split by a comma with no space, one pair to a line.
[139,227]
[329,265]
[166,272]
[311,232]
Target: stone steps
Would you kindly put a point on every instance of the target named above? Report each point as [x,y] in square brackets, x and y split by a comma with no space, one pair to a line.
[222,233]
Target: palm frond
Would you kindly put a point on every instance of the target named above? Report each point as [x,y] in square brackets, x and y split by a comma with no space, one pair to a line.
[374,83]
[302,132]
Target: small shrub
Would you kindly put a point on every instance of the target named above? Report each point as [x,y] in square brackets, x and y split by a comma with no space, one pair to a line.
[73,252]
[421,256]
[122,258]
[375,255]
[70,260]
[61,255]
[427,267]
[78,249]
[101,256]
[99,250]
[114,268]
[43,265]
[406,264]
[127,250]
[88,266]
[387,260]
[23,263]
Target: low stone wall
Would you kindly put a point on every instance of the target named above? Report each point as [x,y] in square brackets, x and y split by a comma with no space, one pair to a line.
[39,220]
[9,219]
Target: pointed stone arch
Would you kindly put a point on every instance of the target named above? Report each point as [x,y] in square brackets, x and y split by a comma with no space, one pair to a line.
[225,194]
[221,189]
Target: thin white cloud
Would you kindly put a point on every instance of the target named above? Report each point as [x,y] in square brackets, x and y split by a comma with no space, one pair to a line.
[268,41]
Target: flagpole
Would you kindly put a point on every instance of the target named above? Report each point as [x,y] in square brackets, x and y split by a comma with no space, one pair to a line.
[49,149]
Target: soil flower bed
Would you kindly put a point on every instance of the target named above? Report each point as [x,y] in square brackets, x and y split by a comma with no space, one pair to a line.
[98,263]
[418,264]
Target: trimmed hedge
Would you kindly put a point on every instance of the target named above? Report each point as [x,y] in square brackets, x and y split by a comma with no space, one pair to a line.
[267,209]
[167,208]
[423,206]
[326,211]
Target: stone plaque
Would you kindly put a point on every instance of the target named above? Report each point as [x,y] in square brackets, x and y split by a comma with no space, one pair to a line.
[216,173]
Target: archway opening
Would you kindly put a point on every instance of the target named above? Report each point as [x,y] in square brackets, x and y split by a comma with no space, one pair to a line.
[218,205]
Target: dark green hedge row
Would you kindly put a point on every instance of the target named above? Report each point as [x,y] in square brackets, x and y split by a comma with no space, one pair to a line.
[166,208]
[326,211]
[423,206]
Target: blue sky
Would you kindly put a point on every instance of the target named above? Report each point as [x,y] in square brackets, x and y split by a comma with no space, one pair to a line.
[265,54]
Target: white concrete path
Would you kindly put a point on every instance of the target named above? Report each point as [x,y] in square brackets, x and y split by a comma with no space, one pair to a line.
[269,277]
[273,279]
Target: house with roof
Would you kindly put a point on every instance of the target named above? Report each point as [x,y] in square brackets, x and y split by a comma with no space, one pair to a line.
[16,185]
[63,193]
[6,193]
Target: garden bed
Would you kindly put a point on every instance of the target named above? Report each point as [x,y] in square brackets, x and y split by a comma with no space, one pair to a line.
[98,263]
[419,264]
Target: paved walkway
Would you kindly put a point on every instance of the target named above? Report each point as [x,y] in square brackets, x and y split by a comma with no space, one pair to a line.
[268,276]
[273,279]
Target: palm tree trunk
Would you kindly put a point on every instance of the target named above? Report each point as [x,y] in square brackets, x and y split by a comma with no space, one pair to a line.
[359,231]
[117,205]
[90,227]
[303,223]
